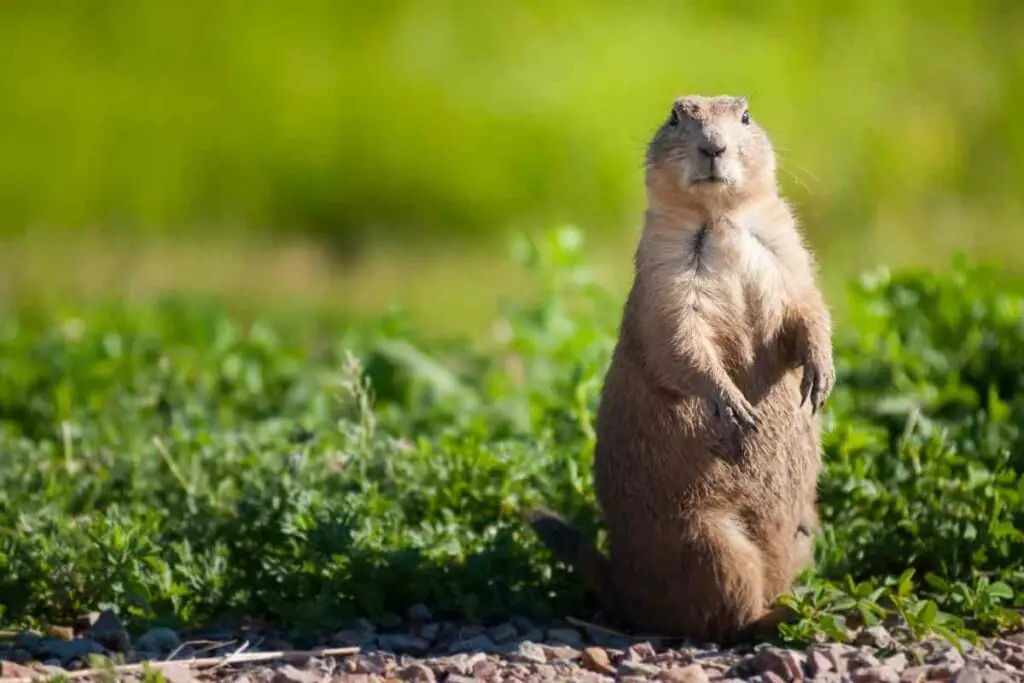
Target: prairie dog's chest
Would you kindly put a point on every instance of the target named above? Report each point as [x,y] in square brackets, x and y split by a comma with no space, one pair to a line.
[742,262]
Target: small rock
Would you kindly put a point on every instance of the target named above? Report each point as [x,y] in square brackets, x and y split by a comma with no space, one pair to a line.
[598,661]
[838,654]
[448,635]
[589,677]
[875,674]
[403,643]
[69,650]
[787,664]
[546,672]
[772,677]
[950,658]
[479,643]
[640,652]
[917,674]
[485,669]
[534,635]
[430,631]
[109,632]
[567,636]
[693,673]
[177,673]
[818,663]
[862,660]
[989,676]
[561,653]
[898,662]
[503,633]
[12,670]
[290,674]
[271,644]
[418,673]
[967,674]
[456,678]
[875,636]
[522,624]
[16,655]
[27,641]
[419,614]
[631,668]
[159,640]
[608,641]
[83,622]
[529,652]
[347,638]
[467,631]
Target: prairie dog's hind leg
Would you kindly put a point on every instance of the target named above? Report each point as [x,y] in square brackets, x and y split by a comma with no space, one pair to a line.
[710,584]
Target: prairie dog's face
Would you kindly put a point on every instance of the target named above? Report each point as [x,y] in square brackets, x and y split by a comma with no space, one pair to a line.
[711,146]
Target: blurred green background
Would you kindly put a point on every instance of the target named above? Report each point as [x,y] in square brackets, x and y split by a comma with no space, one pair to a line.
[362,154]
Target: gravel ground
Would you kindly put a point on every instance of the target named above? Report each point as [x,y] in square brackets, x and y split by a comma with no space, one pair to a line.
[424,650]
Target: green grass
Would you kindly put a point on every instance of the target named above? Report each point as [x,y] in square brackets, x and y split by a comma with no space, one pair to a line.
[182,464]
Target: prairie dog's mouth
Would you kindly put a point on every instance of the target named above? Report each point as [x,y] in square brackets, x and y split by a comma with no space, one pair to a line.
[713,179]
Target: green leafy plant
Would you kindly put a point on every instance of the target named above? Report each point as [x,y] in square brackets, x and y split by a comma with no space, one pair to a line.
[181,464]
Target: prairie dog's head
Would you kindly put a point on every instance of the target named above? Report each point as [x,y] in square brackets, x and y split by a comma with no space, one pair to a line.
[710,150]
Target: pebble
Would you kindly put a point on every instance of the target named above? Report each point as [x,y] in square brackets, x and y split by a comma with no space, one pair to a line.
[915,674]
[158,640]
[693,673]
[566,636]
[177,673]
[418,673]
[529,652]
[429,651]
[479,643]
[109,632]
[430,631]
[403,643]
[598,661]
[786,664]
[818,663]
[968,675]
[13,670]
[862,660]
[291,674]
[641,652]
[875,674]
[503,633]
[630,668]
[875,636]
[68,651]
[560,653]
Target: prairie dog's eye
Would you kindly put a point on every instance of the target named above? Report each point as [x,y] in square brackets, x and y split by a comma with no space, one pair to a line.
[673,118]
[745,118]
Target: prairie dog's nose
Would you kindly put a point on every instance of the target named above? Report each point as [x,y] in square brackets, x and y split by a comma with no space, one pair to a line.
[711,149]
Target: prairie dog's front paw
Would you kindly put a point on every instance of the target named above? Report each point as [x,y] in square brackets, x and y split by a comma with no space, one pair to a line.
[818,380]
[728,402]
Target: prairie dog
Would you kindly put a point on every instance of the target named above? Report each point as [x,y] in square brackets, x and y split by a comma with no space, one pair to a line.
[707,453]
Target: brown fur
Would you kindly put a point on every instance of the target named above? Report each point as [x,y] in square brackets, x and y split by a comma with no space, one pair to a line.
[707,452]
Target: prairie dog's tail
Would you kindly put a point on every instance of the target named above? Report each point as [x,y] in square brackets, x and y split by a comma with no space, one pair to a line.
[570,546]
